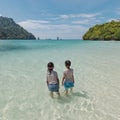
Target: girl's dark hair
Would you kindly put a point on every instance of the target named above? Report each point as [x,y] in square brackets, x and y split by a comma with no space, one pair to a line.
[68,62]
[50,64]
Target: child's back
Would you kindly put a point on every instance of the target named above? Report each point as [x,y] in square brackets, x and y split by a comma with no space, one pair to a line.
[52,79]
[68,77]
[68,74]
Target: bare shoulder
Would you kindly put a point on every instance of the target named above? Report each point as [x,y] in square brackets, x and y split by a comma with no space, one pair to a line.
[55,72]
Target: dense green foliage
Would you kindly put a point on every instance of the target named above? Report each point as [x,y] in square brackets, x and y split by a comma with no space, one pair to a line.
[106,31]
[10,30]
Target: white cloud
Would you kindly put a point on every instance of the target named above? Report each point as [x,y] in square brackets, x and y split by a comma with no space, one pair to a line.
[86,21]
[79,16]
[113,19]
[38,21]
[80,22]
[33,24]
[64,16]
[63,31]
[89,15]
[64,26]
[48,30]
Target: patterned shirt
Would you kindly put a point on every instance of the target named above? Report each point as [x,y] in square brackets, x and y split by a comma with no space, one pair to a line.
[52,77]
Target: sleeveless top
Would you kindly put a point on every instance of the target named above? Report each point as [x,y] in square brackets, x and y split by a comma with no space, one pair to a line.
[52,77]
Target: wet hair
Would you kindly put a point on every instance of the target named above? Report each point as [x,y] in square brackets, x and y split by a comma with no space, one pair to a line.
[50,64]
[68,63]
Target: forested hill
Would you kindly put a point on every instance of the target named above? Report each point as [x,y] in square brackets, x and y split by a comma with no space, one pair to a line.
[106,31]
[10,30]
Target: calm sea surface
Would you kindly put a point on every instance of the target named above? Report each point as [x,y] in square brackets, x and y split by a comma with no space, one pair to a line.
[23,91]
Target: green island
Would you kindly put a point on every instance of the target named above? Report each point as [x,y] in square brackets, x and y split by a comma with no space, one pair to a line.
[107,31]
[10,30]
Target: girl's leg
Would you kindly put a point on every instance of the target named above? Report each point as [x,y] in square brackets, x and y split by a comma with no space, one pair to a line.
[51,94]
[66,92]
[71,89]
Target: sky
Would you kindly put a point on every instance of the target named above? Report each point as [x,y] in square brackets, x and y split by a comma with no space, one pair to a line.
[66,19]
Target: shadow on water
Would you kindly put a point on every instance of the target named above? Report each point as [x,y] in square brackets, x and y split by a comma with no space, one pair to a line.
[67,99]
[83,94]
[64,99]
[8,47]
[12,47]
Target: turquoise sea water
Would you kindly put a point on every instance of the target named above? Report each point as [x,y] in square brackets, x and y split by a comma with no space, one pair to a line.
[25,96]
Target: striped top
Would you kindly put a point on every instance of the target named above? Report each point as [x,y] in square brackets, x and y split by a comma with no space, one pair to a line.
[52,77]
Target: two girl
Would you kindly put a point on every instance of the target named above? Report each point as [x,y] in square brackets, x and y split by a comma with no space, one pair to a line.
[53,80]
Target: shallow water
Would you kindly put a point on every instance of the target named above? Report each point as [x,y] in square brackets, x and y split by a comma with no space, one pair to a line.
[25,96]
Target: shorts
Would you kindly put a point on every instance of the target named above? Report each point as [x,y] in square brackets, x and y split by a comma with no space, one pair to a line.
[68,84]
[53,87]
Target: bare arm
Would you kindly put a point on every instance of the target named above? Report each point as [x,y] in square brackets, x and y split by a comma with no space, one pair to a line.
[58,82]
[47,83]
[63,80]
[47,80]
[73,78]
[57,79]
